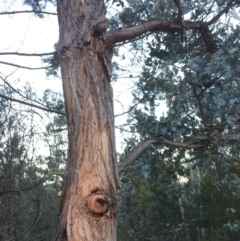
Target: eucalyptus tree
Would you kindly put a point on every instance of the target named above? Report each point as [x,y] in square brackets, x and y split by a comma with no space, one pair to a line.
[201,91]
[91,183]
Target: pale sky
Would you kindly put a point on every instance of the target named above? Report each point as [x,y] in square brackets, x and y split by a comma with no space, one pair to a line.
[26,33]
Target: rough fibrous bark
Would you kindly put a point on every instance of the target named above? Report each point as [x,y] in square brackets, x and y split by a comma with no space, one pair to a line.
[89,198]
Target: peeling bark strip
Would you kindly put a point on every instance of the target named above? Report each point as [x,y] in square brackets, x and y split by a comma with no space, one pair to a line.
[90,189]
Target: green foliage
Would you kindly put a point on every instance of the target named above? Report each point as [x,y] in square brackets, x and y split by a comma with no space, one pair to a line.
[53,63]
[173,193]
[134,12]
[38,5]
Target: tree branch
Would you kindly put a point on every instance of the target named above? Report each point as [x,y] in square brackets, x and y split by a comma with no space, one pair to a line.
[201,109]
[144,145]
[28,11]
[180,12]
[25,54]
[120,35]
[17,91]
[23,67]
[229,5]
[208,40]
[32,105]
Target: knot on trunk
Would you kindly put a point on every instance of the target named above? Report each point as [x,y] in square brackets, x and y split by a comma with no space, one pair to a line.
[97,204]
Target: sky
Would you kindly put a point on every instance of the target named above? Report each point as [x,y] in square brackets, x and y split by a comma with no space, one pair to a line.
[26,33]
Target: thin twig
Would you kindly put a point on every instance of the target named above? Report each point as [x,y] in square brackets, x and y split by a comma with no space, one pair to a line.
[23,67]
[26,54]
[32,105]
[28,11]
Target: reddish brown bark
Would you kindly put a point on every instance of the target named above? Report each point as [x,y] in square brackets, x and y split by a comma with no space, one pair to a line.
[90,189]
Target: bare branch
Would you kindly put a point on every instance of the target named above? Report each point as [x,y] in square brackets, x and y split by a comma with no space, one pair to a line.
[25,54]
[23,67]
[32,105]
[120,35]
[132,107]
[229,5]
[144,145]
[28,11]
[17,91]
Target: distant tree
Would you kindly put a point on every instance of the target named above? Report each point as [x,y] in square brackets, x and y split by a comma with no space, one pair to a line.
[29,183]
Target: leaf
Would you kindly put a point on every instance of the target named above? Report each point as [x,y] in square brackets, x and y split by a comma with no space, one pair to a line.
[220,2]
[192,64]
[220,103]
[230,120]
[164,130]
[144,169]
[220,51]
[231,101]
[181,130]
[233,50]
[150,6]
[200,8]
[201,137]
[162,119]
[173,129]
[132,128]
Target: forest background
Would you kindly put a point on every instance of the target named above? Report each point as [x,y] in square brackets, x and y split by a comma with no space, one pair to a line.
[185,94]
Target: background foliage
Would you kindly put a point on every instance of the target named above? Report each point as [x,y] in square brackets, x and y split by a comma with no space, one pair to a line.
[170,192]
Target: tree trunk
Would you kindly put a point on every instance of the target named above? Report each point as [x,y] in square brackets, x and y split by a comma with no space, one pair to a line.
[89,199]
